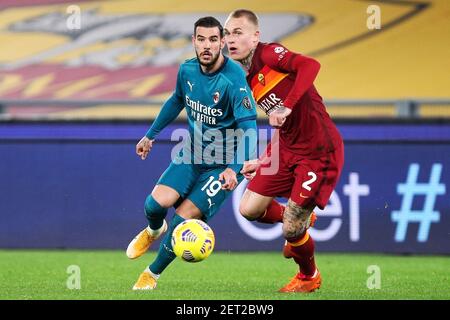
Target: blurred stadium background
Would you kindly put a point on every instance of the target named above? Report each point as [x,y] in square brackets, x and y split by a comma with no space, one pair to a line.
[73,104]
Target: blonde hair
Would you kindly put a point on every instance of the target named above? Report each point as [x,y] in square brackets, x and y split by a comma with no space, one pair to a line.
[250,15]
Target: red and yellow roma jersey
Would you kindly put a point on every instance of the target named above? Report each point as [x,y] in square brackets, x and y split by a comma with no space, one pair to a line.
[280,77]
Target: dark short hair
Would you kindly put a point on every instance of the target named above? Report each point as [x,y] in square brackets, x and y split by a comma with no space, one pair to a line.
[208,22]
[250,15]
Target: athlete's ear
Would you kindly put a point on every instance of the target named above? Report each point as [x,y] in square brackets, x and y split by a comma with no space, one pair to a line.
[256,39]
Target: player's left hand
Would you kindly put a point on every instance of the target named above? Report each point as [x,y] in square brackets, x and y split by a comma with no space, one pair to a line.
[249,168]
[230,179]
[278,117]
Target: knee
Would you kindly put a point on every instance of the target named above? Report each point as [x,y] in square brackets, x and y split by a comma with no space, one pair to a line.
[152,206]
[153,200]
[247,211]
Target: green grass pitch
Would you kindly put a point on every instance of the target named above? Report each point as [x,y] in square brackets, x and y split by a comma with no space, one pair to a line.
[28,274]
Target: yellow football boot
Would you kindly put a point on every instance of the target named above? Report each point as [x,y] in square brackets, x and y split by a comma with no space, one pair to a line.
[140,244]
[146,281]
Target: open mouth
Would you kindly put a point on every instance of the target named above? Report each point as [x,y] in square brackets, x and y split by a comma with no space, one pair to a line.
[206,54]
[232,50]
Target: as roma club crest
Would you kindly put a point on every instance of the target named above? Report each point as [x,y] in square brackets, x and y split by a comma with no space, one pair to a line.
[216,96]
[261,79]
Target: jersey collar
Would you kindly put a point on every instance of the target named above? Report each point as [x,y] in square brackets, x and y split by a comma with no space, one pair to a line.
[215,72]
[256,53]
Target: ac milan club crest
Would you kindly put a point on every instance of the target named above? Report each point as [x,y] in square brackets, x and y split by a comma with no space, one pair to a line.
[216,96]
[246,102]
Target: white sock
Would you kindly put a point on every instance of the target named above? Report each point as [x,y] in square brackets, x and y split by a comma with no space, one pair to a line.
[157,232]
[155,276]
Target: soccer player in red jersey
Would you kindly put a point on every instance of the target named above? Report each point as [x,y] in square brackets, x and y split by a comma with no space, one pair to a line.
[307,145]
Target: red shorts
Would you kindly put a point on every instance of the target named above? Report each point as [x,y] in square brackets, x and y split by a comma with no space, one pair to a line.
[307,182]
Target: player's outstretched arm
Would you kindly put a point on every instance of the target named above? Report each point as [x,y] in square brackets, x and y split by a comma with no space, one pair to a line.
[169,112]
[303,67]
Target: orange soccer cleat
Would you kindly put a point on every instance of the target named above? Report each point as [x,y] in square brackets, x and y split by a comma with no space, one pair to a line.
[302,283]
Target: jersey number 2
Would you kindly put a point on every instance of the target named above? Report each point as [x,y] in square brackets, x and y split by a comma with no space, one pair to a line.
[307,183]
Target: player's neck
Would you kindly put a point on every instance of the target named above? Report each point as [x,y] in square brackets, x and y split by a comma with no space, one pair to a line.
[247,61]
[215,67]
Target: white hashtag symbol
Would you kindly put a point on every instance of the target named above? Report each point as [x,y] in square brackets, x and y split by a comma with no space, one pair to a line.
[410,189]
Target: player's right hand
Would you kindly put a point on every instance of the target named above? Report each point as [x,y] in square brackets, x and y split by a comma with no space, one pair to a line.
[229,178]
[278,117]
[249,168]
[143,147]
